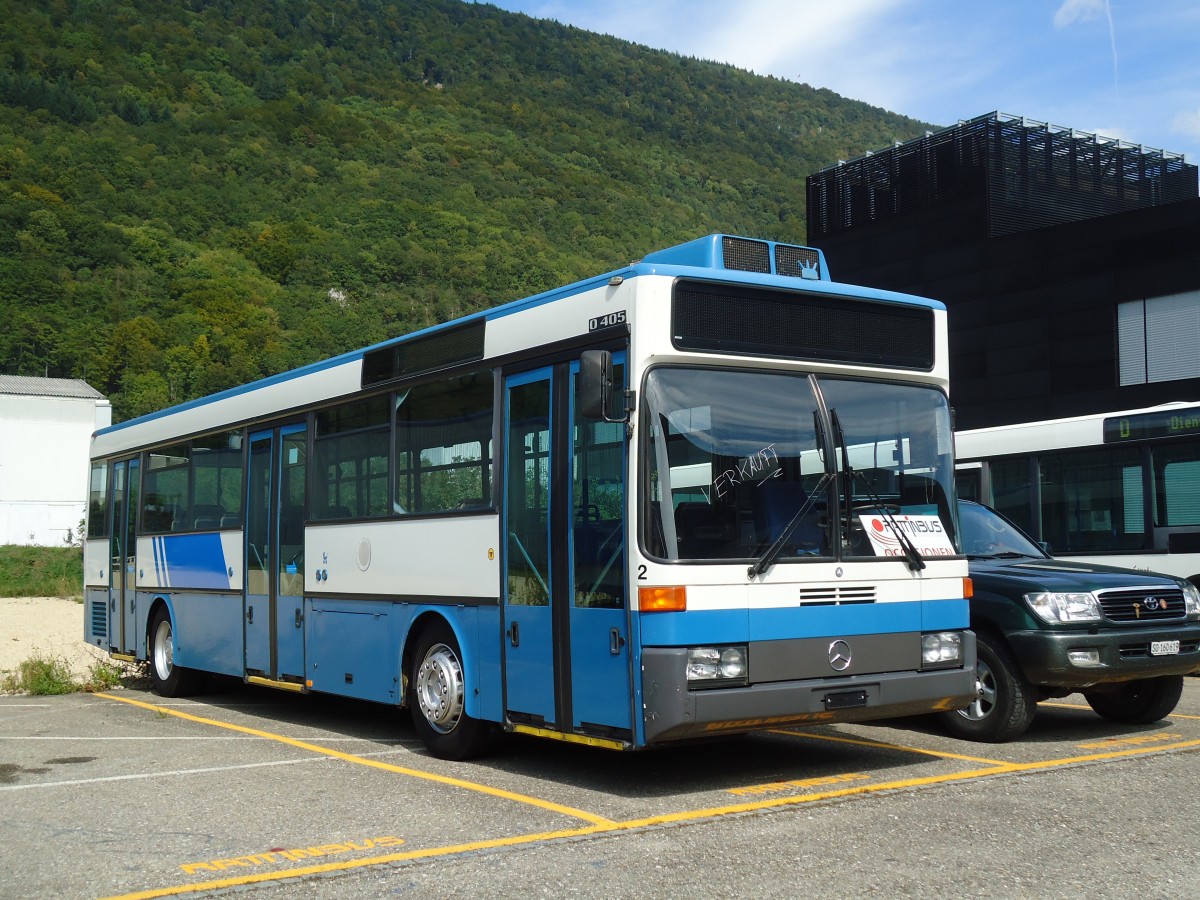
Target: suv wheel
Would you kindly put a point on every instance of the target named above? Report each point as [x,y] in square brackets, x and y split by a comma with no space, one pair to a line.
[1003,706]
[1137,702]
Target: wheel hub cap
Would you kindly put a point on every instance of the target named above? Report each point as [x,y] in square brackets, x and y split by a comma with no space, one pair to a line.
[439,688]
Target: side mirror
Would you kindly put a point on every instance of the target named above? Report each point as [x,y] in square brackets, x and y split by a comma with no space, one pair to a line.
[595,384]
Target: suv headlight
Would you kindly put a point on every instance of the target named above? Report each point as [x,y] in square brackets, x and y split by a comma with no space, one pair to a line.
[1053,608]
[1191,599]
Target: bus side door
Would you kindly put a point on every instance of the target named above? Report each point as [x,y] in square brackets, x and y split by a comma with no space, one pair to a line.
[566,650]
[275,512]
[122,593]
[529,669]
[599,618]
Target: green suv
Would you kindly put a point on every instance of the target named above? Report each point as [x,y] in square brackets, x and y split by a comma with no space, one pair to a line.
[1048,628]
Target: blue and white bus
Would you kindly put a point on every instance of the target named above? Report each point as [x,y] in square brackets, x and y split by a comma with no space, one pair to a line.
[707,493]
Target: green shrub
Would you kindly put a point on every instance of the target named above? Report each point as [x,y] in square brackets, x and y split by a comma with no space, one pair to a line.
[41,675]
[106,674]
[46,675]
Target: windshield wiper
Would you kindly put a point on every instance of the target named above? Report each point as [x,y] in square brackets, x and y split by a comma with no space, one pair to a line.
[768,558]
[912,556]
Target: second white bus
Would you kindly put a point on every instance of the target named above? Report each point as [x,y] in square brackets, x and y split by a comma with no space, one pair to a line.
[1121,488]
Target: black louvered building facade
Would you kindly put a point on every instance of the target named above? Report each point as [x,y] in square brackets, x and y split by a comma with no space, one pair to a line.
[1033,236]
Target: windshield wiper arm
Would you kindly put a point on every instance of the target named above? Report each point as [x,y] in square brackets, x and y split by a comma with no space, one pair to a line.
[768,558]
[912,556]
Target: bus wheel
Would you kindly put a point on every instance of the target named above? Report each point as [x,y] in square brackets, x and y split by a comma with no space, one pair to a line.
[169,680]
[1137,702]
[437,698]
[1003,707]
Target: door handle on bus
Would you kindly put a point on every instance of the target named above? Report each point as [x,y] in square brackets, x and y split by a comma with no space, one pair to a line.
[615,641]
[514,634]
[250,614]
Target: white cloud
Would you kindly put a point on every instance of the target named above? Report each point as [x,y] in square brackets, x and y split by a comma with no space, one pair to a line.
[1073,11]
[940,61]
[772,35]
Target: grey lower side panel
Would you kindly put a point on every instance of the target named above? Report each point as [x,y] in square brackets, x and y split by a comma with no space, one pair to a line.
[675,713]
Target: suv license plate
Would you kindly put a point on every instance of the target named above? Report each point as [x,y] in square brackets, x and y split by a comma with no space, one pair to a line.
[1164,648]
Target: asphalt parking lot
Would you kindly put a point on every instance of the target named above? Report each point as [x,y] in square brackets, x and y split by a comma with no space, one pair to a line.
[250,791]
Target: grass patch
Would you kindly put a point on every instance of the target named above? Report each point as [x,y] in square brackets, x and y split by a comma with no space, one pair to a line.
[104,675]
[48,675]
[41,675]
[41,572]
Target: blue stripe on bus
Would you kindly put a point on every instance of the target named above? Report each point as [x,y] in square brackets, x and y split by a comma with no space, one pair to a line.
[160,577]
[194,561]
[740,625]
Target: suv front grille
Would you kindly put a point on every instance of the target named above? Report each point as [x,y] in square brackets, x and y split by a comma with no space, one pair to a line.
[1142,605]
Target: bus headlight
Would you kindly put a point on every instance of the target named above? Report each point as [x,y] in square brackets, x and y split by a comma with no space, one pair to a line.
[1191,599]
[1053,608]
[941,649]
[714,667]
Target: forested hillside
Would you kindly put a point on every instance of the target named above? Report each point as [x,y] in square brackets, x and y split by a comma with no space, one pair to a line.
[198,193]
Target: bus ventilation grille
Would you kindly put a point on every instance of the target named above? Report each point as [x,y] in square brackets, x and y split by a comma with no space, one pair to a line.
[98,620]
[746,256]
[799,262]
[836,594]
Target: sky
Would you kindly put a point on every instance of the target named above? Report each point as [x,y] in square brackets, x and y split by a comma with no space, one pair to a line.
[1127,70]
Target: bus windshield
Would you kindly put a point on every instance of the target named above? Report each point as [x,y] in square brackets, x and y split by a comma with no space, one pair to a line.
[740,460]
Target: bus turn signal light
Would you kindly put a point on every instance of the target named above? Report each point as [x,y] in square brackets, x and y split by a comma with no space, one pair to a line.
[968,588]
[662,599]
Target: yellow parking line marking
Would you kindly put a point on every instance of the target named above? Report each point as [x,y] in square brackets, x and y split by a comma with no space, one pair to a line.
[1132,741]
[648,822]
[883,745]
[599,824]
[373,763]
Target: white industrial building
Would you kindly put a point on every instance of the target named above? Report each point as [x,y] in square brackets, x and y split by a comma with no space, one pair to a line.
[46,426]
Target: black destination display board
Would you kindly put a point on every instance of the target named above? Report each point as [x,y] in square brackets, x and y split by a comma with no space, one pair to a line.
[1183,421]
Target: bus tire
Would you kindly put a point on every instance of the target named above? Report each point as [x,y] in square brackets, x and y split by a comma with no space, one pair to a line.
[437,697]
[1137,702]
[168,679]
[1004,705]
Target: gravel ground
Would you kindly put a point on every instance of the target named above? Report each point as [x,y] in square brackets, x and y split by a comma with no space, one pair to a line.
[47,627]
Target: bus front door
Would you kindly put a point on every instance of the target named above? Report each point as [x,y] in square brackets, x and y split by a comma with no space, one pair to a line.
[529,667]
[566,651]
[122,575]
[274,598]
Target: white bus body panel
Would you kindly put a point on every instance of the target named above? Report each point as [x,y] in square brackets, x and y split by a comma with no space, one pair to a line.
[454,557]
[95,563]
[256,401]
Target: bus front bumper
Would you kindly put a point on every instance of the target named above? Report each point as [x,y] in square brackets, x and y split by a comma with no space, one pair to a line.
[673,712]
